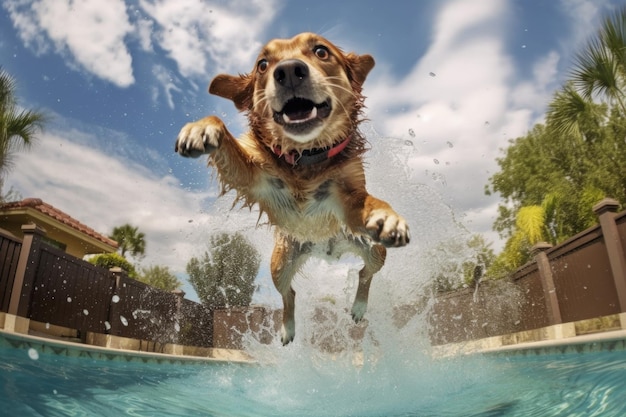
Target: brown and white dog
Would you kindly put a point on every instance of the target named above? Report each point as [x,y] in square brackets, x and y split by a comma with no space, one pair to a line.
[301,161]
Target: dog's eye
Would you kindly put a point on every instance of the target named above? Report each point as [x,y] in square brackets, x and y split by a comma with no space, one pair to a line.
[262,66]
[321,52]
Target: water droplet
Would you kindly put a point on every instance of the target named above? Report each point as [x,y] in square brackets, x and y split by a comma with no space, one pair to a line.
[69,299]
[450,145]
[432,74]
[54,392]
[412,133]
[47,325]
[107,325]
[86,312]
[523,46]
[177,327]
[115,298]
[33,354]
[487,123]
[436,161]
[190,221]
[124,321]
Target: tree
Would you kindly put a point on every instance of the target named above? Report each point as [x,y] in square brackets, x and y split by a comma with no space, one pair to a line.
[159,277]
[224,276]
[17,127]
[551,178]
[600,69]
[599,73]
[110,260]
[130,240]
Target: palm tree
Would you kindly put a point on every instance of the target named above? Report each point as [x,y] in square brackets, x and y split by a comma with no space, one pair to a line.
[17,127]
[130,240]
[600,69]
[599,73]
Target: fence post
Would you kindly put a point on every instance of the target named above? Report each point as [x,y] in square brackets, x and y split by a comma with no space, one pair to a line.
[22,291]
[178,315]
[114,315]
[605,210]
[547,282]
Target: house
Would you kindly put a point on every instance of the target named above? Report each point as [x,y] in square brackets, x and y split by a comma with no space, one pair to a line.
[62,231]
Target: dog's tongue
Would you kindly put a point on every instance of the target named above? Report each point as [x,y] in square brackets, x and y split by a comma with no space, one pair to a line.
[300,115]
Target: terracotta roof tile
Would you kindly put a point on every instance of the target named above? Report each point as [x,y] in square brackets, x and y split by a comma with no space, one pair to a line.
[50,211]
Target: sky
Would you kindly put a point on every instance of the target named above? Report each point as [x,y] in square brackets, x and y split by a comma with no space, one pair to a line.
[454,81]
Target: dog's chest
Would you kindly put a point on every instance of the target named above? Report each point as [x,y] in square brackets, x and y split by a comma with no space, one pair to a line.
[310,211]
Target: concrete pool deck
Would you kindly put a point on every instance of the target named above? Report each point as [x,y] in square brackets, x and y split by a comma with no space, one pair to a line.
[600,334]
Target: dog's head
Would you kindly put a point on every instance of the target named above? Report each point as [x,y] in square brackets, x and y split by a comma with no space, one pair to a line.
[303,92]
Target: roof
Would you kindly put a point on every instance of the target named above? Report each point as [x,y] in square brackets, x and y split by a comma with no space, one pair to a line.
[55,213]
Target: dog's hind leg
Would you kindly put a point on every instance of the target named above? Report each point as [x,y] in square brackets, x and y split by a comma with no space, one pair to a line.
[288,256]
[374,259]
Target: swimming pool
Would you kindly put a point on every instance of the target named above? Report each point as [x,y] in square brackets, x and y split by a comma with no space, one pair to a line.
[47,379]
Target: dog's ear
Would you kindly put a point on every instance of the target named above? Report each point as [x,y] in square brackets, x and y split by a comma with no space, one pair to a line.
[239,89]
[359,66]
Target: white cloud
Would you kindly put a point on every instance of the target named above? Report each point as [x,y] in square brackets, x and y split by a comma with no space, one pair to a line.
[459,105]
[209,38]
[584,15]
[168,82]
[88,32]
[104,190]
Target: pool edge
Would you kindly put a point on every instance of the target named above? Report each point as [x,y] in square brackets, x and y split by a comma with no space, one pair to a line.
[72,349]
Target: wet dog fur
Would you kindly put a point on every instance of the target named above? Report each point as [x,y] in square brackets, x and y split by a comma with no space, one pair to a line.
[301,162]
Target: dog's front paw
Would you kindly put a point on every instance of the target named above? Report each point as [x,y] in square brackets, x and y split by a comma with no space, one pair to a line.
[387,227]
[358,310]
[198,138]
[287,332]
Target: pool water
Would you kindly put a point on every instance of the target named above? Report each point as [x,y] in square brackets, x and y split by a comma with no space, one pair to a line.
[298,381]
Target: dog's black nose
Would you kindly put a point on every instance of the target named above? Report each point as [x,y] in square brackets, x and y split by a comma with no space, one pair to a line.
[291,73]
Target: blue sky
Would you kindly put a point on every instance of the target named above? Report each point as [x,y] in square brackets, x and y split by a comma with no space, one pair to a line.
[453,82]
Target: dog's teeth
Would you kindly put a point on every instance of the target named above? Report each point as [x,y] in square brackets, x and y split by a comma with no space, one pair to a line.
[312,115]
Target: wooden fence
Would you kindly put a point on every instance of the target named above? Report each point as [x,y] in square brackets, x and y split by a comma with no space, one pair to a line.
[582,278]
[47,285]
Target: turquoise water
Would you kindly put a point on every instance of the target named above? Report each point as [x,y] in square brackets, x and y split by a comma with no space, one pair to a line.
[298,381]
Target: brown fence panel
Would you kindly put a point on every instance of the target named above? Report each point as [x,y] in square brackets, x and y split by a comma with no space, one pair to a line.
[531,303]
[70,292]
[494,308]
[145,313]
[582,277]
[233,325]
[9,255]
[196,325]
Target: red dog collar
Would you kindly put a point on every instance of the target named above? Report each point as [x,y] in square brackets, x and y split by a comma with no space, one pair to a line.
[313,156]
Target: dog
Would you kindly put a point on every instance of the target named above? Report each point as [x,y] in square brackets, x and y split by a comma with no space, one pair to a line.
[301,162]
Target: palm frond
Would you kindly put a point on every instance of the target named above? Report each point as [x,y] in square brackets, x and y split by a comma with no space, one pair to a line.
[530,222]
[599,70]
[613,36]
[565,111]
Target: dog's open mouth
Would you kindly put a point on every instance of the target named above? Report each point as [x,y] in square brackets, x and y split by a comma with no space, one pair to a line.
[300,111]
